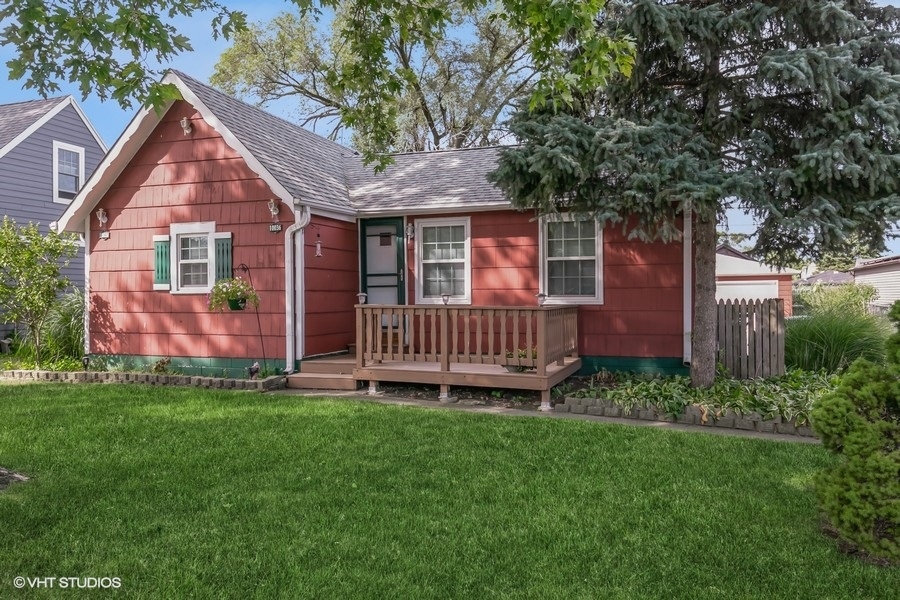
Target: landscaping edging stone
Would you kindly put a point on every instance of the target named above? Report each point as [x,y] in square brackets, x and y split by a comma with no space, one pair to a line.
[692,415]
[276,382]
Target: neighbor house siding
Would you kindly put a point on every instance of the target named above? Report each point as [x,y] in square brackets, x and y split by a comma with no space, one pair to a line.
[175,178]
[641,314]
[785,287]
[331,282]
[26,176]
[885,278]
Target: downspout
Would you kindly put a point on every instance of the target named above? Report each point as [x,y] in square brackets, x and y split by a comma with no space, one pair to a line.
[301,220]
[688,282]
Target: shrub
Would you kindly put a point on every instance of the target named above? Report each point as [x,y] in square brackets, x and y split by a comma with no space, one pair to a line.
[64,329]
[860,422]
[851,297]
[832,339]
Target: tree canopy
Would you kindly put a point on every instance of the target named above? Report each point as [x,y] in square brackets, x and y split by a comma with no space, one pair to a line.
[788,110]
[113,47]
[454,95]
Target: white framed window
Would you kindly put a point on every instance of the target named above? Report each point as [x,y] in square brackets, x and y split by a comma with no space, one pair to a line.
[571,266]
[191,258]
[443,260]
[68,171]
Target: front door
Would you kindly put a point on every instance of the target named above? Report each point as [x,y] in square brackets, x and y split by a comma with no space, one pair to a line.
[383,264]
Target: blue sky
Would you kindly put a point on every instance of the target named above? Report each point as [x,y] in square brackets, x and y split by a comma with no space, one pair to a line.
[110,120]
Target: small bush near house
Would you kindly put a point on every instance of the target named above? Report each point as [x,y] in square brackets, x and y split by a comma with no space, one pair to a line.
[62,335]
[790,396]
[860,422]
[832,338]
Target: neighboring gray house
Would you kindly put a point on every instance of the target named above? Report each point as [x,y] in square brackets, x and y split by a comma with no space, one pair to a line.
[884,275]
[48,149]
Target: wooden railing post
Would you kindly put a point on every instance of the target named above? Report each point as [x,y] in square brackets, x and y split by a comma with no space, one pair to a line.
[445,338]
[360,338]
[541,315]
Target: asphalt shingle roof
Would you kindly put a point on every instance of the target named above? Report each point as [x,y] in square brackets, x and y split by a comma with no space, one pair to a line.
[19,116]
[309,166]
[426,180]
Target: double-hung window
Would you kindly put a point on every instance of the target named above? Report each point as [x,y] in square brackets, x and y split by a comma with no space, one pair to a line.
[191,258]
[444,263]
[68,171]
[571,260]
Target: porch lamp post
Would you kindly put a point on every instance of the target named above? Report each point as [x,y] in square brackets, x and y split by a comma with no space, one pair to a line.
[541,298]
[445,298]
[361,297]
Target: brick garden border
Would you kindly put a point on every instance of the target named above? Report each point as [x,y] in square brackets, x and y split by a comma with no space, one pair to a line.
[692,415]
[276,382]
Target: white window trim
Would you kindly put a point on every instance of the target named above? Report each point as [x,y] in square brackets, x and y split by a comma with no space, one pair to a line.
[206,227]
[57,146]
[466,222]
[597,298]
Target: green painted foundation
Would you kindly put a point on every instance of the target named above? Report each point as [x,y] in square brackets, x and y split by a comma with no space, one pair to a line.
[184,365]
[662,366]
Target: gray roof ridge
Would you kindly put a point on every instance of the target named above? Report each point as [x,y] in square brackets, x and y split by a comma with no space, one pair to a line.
[54,99]
[294,126]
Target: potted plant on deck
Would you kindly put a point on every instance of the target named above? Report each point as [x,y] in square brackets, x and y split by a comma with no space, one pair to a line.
[234,293]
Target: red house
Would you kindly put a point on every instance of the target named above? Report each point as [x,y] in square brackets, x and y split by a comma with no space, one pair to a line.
[458,285]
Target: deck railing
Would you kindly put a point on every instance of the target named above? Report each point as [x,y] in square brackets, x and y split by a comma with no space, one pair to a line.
[526,338]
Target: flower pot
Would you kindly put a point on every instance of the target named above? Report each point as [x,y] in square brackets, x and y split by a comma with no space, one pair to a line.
[237,303]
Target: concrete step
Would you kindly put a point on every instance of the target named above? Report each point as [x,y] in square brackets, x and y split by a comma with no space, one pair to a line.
[321,381]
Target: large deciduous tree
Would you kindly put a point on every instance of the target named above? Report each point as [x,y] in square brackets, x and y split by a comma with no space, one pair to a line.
[455,93]
[85,41]
[788,110]
[30,277]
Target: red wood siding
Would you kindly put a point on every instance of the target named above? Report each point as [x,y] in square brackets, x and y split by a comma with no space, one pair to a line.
[642,285]
[331,284]
[785,287]
[183,179]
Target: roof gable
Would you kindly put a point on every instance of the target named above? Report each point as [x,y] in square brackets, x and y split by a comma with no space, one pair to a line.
[19,120]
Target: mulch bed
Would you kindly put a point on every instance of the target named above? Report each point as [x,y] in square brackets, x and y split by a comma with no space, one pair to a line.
[851,549]
[8,477]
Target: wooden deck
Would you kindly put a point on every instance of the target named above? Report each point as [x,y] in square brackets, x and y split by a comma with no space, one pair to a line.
[499,347]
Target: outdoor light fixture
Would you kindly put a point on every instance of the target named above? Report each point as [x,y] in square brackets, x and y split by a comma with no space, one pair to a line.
[102,218]
[410,231]
[186,125]
[274,208]
[86,362]
[541,298]
[445,298]
[362,297]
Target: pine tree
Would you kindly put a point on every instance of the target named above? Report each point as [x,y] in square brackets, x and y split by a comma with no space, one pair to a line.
[787,109]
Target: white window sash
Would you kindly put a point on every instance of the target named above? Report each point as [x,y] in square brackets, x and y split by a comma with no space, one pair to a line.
[57,146]
[421,225]
[543,267]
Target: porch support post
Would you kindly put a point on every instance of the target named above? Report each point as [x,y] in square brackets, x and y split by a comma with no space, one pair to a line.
[360,338]
[445,340]
[545,401]
[445,396]
[373,388]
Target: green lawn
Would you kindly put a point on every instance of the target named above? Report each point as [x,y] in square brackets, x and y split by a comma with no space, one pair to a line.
[213,494]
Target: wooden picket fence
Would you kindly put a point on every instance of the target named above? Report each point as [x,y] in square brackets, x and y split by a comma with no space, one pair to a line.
[750,337]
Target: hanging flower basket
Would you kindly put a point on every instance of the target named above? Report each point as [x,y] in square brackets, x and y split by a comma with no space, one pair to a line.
[233,293]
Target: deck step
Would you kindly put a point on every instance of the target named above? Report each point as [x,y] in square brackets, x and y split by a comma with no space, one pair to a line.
[328,366]
[321,381]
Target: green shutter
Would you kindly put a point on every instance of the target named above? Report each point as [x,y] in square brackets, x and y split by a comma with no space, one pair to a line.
[161,275]
[223,258]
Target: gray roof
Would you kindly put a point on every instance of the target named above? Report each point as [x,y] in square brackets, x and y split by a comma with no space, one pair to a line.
[877,262]
[16,118]
[438,180]
[309,166]
[829,277]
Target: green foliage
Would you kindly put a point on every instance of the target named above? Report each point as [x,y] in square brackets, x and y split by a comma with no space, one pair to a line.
[454,94]
[788,110]
[790,397]
[861,423]
[832,340]
[850,297]
[31,278]
[104,47]
[64,328]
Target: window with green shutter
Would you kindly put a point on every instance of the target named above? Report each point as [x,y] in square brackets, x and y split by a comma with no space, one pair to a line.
[191,258]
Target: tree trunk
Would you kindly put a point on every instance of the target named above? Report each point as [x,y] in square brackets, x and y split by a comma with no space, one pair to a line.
[703,343]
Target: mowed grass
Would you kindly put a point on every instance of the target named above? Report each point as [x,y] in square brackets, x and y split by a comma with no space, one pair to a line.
[212,494]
